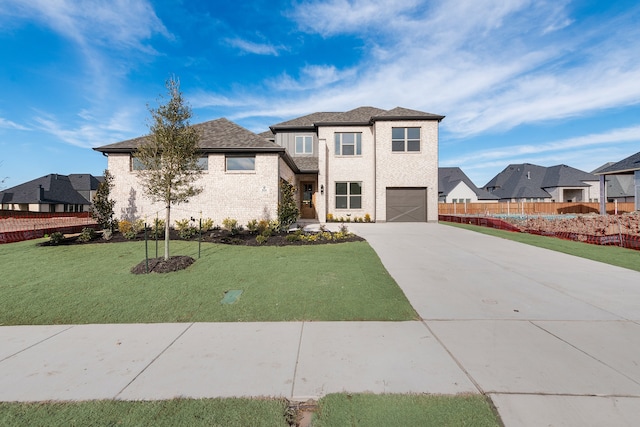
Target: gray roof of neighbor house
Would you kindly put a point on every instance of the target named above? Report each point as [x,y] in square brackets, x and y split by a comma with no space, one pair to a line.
[526,180]
[621,185]
[359,116]
[51,189]
[450,177]
[220,135]
[627,165]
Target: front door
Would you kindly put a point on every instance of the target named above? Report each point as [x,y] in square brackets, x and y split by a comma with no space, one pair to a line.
[307,201]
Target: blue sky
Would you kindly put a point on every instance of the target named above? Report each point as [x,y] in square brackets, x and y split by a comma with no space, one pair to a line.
[544,82]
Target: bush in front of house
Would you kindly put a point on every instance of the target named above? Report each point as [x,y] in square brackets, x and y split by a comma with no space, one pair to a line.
[87,235]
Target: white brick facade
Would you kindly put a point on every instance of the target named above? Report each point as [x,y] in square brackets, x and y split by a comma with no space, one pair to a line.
[414,169]
[239,195]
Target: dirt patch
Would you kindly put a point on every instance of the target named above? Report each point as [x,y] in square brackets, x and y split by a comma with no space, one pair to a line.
[160,265]
[592,225]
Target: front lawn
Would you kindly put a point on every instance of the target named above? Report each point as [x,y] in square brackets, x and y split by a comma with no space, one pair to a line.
[92,283]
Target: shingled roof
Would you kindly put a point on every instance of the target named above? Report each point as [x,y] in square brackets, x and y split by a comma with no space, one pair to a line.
[361,116]
[628,165]
[526,180]
[220,135]
[48,189]
[450,177]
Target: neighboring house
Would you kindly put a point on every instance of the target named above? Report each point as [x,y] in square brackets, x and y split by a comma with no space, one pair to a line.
[364,161]
[532,183]
[52,193]
[455,187]
[629,166]
[620,187]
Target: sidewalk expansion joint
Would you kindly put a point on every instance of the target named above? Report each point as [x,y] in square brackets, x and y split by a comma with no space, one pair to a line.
[36,343]
[454,358]
[295,369]
[153,360]
[585,353]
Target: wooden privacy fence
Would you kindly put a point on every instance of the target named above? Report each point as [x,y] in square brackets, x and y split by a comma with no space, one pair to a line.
[531,208]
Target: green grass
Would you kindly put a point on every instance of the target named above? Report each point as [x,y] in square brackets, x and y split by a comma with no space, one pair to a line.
[92,283]
[614,255]
[370,410]
[366,410]
[181,412]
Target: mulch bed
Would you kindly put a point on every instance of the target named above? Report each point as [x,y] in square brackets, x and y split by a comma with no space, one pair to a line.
[160,265]
[176,263]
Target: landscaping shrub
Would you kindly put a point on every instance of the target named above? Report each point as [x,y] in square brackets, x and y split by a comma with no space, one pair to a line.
[330,217]
[87,235]
[130,230]
[56,238]
[157,230]
[107,234]
[206,224]
[252,226]
[231,225]
[261,239]
[288,207]
[185,228]
[367,218]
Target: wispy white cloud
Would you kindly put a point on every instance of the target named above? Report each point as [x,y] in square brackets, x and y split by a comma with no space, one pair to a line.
[332,17]
[587,152]
[91,130]
[8,124]
[120,24]
[615,136]
[254,48]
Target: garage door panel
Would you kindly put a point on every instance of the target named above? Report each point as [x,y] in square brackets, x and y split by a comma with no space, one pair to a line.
[406,204]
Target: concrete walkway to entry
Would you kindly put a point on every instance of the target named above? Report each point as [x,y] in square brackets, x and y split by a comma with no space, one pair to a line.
[552,339]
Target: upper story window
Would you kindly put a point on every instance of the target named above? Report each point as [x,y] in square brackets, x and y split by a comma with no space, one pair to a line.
[241,163]
[304,144]
[405,139]
[348,144]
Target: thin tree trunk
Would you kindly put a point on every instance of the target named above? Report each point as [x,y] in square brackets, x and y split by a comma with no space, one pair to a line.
[166,232]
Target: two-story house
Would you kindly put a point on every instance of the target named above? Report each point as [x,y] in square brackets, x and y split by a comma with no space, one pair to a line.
[364,161]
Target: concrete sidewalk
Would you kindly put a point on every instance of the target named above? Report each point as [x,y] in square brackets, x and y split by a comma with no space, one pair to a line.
[552,339]
[198,360]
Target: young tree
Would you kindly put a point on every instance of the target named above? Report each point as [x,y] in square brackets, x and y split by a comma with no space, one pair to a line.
[169,158]
[102,205]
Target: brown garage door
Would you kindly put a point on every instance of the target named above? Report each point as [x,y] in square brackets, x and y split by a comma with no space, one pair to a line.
[406,204]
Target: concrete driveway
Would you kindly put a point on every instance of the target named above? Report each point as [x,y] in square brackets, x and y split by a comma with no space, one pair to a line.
[553,339]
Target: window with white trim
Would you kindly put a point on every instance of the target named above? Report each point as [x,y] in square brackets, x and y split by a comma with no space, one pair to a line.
[304,144]
[405,139]
[348,144]
[348,195]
